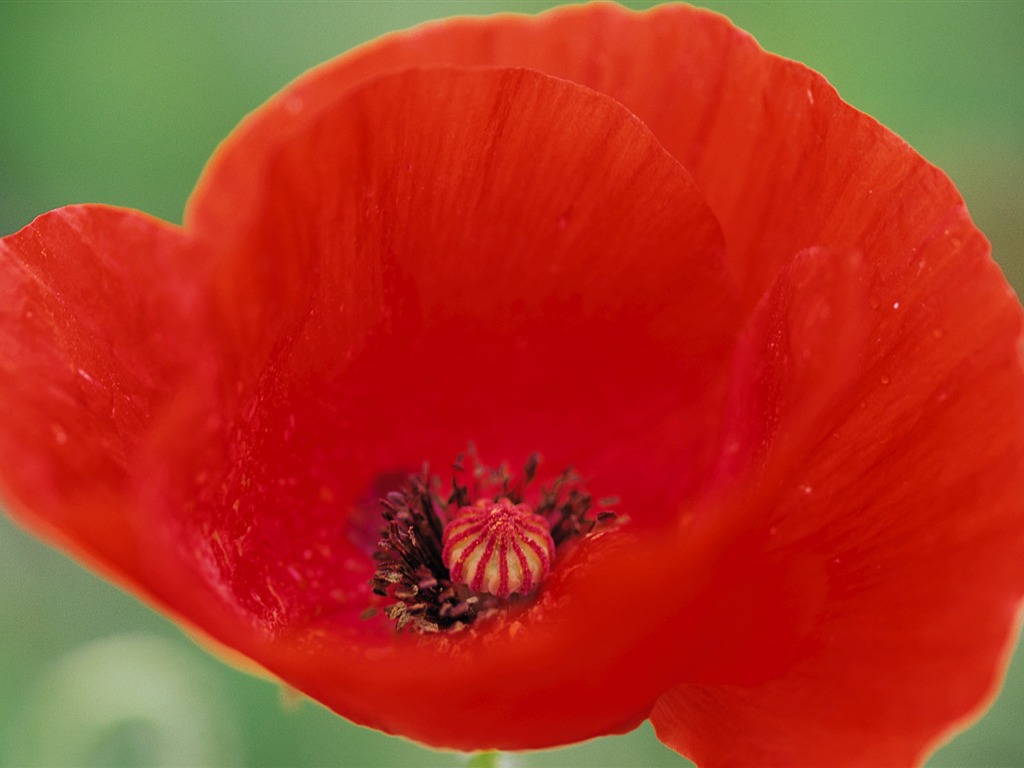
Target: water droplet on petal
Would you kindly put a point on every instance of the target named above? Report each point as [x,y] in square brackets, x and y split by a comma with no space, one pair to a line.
[60,435]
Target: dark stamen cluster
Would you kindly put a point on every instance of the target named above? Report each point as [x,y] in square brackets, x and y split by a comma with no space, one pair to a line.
[409,565]
[566,505]
[410,569]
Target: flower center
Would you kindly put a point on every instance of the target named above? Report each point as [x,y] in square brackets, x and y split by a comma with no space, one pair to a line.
[446,562]
[498,547]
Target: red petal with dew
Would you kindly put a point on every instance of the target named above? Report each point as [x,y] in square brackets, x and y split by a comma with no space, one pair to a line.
[786,166]
[394,295]
[95,327]
[778,156]
[905,497]
[464,281]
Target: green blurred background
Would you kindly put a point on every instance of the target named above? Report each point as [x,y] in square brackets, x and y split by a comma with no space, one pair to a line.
[123,103]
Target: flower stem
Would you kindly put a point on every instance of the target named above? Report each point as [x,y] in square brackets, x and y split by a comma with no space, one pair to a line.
[489,759]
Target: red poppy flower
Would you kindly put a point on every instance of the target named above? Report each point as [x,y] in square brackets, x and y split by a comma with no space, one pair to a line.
[634,243]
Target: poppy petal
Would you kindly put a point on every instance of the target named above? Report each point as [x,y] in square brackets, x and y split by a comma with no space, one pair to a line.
[646,61]
[802,346]
[779,157]
[903,508]
[357,337]
[94,320]
[603,270]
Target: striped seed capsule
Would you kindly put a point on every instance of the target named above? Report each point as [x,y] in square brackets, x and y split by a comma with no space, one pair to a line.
[498,547]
